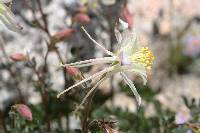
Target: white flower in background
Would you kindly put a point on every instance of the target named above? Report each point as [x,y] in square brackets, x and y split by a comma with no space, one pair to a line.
[7,17]
[131,57]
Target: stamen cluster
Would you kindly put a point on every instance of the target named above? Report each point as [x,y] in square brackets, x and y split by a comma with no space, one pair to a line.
[144,57]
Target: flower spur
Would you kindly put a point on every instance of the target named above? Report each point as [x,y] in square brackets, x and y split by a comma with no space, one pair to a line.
[8,18]
[131,57]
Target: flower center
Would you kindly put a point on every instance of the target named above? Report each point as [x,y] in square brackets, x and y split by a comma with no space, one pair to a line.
[144,57]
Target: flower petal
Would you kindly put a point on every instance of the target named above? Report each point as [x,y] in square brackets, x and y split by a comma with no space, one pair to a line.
[132,86]
[118,36]
[8,18]
[123,24]
[137,69]
[129,43]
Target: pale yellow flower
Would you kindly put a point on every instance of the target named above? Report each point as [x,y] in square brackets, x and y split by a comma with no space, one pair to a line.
[131,57]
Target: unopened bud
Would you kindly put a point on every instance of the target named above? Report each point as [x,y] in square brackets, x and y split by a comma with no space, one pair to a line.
[24,111]
[62,35]
[18,57]
[76,73]
[82,18]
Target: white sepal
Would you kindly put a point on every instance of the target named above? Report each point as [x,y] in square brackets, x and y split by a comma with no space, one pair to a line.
[123,24]
[132,86]
[8,18]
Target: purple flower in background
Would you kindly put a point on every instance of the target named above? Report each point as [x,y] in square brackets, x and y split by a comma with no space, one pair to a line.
[182,117]
[192,47]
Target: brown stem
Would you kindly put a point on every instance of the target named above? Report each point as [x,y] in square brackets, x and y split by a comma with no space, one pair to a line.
[40,78]
[45,28]
[44,18]
[11,71]
[65,84]
[43,90]
[87,113]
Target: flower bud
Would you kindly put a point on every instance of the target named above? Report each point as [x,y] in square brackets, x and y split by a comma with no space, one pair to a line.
[62,35]
[24,111]
[82,18]
[74,72]
[18,57]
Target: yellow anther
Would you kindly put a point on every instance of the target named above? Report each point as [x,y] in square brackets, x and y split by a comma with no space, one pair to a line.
[144,57]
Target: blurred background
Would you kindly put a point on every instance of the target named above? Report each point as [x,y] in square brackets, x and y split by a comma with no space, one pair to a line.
[29,72]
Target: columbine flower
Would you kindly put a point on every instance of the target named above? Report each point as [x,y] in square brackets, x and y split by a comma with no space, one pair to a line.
[7,17]
[131,57]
